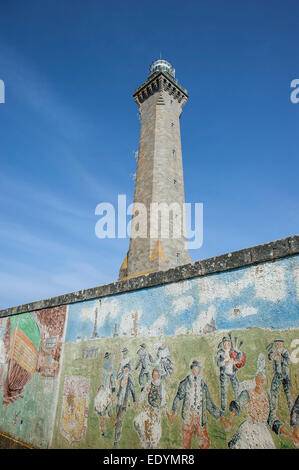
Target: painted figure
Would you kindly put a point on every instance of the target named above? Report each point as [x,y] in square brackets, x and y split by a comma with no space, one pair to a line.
[125,391]
[124,360]
[229,359]
[294,422]
[145,359]
[164,360]
[148,422]
[281,367]
[254,433]
[104,396]
[196,404]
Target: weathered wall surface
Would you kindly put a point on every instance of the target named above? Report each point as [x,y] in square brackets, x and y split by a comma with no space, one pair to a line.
[64,383]
[30,345]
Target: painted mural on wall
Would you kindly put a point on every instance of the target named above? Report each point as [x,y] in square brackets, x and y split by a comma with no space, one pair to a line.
[74,410]
[211,362]
[30,346]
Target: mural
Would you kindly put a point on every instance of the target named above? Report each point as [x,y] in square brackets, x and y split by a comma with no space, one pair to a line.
[211,362]
[30,348]
[74,410]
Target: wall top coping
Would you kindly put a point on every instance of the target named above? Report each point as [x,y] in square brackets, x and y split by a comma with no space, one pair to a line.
[237,259]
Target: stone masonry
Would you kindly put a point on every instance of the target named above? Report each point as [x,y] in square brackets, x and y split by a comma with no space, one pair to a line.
[159,178]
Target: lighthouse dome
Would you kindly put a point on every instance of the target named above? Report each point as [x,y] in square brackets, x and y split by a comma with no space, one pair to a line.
[162,64]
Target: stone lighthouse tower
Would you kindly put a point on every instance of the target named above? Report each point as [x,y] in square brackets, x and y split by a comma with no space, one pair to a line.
[159,184]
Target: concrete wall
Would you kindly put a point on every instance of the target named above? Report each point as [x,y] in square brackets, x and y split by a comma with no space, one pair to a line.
[59,390]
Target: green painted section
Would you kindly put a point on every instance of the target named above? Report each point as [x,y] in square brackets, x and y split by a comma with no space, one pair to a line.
[28,419]
[28,325]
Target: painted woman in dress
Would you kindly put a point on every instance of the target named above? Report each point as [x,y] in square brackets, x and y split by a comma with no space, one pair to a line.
[294,422]
[103,399]
[148,422]
[254,432]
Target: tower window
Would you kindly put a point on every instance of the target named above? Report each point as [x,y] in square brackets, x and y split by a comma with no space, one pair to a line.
[174,153]
[172,124]
[174,182]
[178,258]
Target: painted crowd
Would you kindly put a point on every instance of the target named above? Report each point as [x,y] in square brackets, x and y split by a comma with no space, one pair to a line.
[118,391]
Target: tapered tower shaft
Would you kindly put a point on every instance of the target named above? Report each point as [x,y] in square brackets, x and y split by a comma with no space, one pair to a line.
[159,177]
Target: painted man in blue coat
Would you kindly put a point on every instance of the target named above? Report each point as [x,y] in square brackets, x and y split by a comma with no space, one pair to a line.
[145,360]
[280,357]
[125,392]
[197,404]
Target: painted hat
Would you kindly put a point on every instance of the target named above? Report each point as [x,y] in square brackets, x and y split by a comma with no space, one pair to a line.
[195,364]
[279,340]
[128,366]
[225,338]
[125,350]
[106,355]
[143,345]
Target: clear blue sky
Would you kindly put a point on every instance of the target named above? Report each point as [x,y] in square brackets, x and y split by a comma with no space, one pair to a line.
[69,128]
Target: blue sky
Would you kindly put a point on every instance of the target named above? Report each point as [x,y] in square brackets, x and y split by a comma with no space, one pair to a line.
[69,128]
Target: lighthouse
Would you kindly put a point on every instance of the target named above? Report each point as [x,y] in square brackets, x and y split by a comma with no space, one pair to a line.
[158,228]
